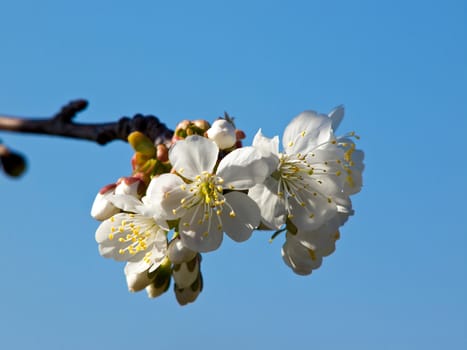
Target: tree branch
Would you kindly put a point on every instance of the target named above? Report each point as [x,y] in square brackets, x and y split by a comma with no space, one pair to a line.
[61,124]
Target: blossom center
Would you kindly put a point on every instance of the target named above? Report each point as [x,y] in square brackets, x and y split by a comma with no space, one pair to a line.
[133,234]
[206,201]
[292,173]
[209,189]
[299,180]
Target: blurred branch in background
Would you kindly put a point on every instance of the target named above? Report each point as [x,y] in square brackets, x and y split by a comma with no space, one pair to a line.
[62,124]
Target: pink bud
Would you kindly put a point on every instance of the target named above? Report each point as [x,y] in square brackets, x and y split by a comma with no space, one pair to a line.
[162,153]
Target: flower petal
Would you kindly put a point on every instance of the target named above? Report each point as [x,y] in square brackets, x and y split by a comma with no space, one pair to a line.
[336,116]
[199,233]
[246,219]
[102,208]
[136,281]
[152,258]
[164,195]
[244,168]
[306,131]
[125,202]
[326,153]
[322,240]
[312,211]
[136,267]
[271,206]
[159,251]
[192,156]
[266,145]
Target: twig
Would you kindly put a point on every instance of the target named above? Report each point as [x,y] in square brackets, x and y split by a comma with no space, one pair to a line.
[61,124]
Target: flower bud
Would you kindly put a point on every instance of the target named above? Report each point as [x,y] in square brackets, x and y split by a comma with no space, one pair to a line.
[189,294]
[102,209]
[137,281]
[240,134]
[186,128]
[141,143]
[162,153]
[185,274]
[201,124]
[183,125]
[180,130]
[222,132]
[154,290]
[179,253]
[161,280]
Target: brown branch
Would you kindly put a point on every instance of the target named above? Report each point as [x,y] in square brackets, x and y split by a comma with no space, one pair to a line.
[61,124]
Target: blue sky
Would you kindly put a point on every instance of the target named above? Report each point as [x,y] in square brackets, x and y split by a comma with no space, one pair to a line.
[398,279]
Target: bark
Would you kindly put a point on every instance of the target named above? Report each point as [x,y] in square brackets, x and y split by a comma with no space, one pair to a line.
[62,124]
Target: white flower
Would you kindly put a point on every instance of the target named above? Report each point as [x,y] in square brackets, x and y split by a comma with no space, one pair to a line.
[134,237]
[313,174]
[222,132]
[204,199]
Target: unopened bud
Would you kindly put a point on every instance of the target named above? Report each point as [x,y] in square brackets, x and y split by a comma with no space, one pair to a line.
[102,209]
[189,294]
[239,134]
[162,153]
[202,124]
[154,290]
[137,281]
[161,280]
[183,125]
[186,128]
[180,130]
[179,253]
[222,132]
[141,143]
[185,274]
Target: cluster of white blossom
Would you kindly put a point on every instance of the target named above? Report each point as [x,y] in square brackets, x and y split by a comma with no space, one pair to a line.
[180,200]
